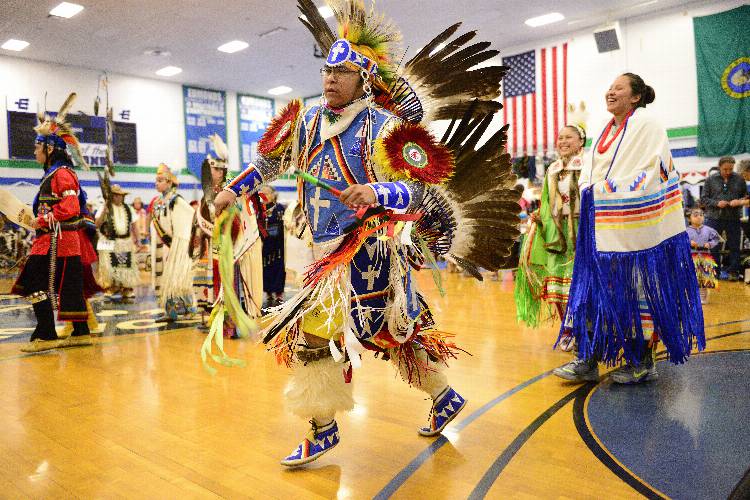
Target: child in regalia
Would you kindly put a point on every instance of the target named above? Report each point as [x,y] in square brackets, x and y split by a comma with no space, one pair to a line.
[702,239]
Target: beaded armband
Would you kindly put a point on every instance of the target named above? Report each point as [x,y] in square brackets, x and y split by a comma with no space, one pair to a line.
[261,171]
[394,195]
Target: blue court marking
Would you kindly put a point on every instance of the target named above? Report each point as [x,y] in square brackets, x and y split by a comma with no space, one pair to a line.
[728,323]
[405,473]
[687,435]
[489,477]
[627,476]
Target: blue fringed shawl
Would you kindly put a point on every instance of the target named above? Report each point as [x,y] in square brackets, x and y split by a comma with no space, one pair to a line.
[633,255]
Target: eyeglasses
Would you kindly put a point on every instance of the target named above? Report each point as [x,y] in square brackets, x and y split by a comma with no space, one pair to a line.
[336,71]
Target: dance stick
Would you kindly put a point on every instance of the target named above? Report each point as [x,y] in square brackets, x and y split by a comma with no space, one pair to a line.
[316,182]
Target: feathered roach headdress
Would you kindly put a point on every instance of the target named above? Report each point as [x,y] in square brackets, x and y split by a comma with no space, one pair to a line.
[58,133]
[577,117]
[373,40]
[433,85]
[221,160]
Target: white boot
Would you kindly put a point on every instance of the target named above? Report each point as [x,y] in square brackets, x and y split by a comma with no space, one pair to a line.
[317,389]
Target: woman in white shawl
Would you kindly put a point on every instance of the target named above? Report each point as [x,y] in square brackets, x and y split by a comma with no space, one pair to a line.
[633,283]
[171,267]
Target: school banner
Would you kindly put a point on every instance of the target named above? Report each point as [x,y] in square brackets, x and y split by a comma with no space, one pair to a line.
[205,115]
[253,116]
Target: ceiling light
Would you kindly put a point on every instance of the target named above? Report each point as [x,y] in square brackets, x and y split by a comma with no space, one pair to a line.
[66,10]
[325,11]
[16,45]
[283,89]
[550,18]
[233,46]
[650,2]
[169,71]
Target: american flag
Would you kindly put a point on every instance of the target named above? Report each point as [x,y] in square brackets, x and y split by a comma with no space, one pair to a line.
[535,97]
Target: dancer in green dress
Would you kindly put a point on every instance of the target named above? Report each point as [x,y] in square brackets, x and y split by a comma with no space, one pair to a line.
[546,261]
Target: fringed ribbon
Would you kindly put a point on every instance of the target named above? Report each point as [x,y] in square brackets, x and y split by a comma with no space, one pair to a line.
[227,301]
[603,309]
[350,344]
[438,346]
[222,237]
[327,285]
[283,345]
[216,336]
[400,325]
[349,247]
[529,283]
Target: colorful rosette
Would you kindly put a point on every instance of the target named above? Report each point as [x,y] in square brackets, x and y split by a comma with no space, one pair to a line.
[411,152]
[278,135]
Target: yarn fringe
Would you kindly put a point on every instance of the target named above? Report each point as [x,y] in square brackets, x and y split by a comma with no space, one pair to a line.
[246,326]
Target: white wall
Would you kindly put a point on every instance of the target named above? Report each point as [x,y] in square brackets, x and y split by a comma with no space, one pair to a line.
[660,48]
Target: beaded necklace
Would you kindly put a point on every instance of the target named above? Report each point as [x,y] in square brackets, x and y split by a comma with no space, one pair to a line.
[623,127]
[605,141]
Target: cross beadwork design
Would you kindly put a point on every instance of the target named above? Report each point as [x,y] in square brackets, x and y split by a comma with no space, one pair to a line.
[365,314]
[384,192]
[371,275]
[317,204]
[338,50]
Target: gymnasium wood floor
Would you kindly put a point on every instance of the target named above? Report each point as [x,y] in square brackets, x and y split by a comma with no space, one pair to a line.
[137,416]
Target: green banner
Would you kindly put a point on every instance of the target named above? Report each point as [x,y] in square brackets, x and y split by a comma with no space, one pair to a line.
[722,53]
